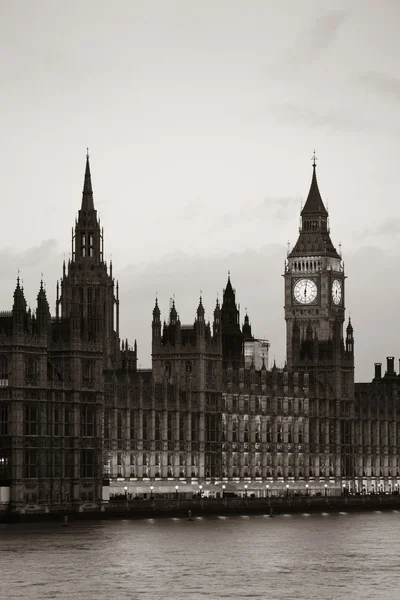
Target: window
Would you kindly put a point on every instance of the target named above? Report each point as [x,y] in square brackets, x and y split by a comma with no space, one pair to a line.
[279,433]
[3,419]
[194,426]
[119,425]
[182,427]
[170,426]
[31,370]
[90,244]
[87,372]
[145,426]
[132,425]
[57,421]
[31,464]
[106,424]
[87,463]
[157,431]
[68,421]
[83,245]
[3,370]
[88,421]
[31,418]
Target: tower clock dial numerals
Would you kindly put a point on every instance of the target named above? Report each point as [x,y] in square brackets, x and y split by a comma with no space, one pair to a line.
[336,292]
[305,291]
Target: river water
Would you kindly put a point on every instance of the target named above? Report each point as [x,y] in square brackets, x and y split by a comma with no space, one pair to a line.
[320,556]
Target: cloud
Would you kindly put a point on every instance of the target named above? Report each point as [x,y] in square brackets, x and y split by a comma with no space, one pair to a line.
[388,228]
[332,120]
[273,208]
[382,84]
[315,40]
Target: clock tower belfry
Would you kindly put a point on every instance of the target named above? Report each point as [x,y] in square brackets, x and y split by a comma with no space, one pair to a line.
[314,287]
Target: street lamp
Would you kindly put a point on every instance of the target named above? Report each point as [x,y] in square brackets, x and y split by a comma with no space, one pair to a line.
[287,489]
[200,490]
[223,490]
[267,486]
[397,487]
[126,497]
[306,489]
[344,489]
[245,490]
[151,492]
[176,491]
[326,489]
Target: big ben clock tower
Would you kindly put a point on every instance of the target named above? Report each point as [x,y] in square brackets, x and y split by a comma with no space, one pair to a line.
[314,286]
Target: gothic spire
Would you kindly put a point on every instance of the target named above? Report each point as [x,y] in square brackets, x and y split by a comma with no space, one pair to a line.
[87,194]
[314,204]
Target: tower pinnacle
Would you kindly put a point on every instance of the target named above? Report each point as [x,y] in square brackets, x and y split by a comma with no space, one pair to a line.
[87,194]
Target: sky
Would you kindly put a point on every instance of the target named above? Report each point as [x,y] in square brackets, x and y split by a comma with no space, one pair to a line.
[201,119]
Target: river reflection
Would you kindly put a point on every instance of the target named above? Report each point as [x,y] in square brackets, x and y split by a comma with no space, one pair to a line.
[309,557]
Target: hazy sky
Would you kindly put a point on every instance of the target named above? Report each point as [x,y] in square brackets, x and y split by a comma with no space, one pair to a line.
[201,118]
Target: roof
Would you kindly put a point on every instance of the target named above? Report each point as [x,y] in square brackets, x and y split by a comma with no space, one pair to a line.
[314,204]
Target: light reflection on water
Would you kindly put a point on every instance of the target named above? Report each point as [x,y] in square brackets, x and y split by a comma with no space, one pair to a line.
[304,557]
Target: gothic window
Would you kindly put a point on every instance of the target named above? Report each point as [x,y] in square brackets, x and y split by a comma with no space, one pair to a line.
[182,427]
[119,425]
[87,463]
[106,424]
[132,425]
[188,367]
[83,245]
[145,426]
[194,427]
[32,370]
[246,432]
[168,370]
[234,429]
[68,421]
[268,432]
[31,465]
[300,433]
[279,433]
[3,419]
[91,245]
[87,372]
[290,434]
[170,428]
[3,370]
[88,422]
[31,420]
[57,421]
[157,428]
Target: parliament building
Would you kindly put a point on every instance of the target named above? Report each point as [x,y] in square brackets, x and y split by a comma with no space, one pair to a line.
[79,421]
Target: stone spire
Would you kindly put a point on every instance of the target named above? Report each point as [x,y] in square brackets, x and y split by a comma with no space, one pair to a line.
[87,194]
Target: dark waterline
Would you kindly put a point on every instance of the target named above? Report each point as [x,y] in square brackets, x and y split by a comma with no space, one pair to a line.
[321,556]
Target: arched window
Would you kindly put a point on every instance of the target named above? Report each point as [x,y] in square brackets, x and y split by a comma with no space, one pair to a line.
[3,370]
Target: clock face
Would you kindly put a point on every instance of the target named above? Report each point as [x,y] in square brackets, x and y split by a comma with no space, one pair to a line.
[305,291]
[336,292]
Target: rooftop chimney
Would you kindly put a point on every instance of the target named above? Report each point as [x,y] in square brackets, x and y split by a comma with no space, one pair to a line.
[378,371]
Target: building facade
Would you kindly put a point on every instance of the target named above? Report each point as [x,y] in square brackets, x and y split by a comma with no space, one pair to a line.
[77,418]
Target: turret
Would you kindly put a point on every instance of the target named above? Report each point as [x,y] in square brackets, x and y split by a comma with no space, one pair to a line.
[200,324]
[19,308]
[217,320]
[232,337]
[349,339]
[247,335]
[156,322]
[42,312]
